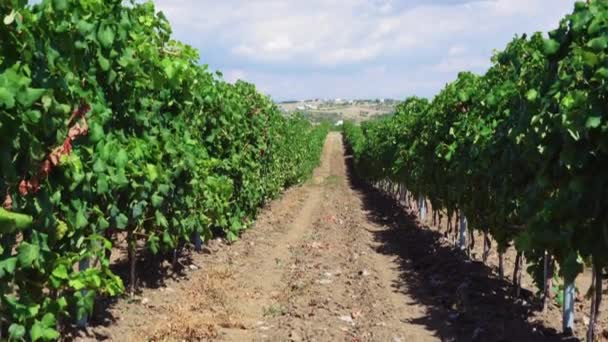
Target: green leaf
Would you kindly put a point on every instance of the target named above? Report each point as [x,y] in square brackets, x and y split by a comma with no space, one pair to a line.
[76,284]
[137,211]
[10,18]
[161,220]
[523,242]
[599,43]
[602,72]
[96,132]
[168,68]
[9,221]
[153,243]
[232,236]
[103,224]
[122,221]
[61,272]
[40,331]
[106,36]
[532,95]
[81,220]
[157,201]
[16,331]
[7,266]
[104,63]
[167,240]
[102,185]
[62,303]
[61,5]
[463,96]
[84,27]
[27,254]
[593,122]
[47,101]
[151,172]
[7,98]
[49,320]
[29,96]
[164,189]
[550,46]
[121,158]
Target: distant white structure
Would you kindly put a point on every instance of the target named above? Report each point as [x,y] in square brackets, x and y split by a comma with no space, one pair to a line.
[339,122]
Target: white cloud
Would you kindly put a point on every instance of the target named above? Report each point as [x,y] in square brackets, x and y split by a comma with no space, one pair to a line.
[234,75]
[288,44]
[462,63]
[457,50]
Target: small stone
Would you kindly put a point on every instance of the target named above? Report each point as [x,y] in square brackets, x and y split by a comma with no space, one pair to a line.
[348,319]
[145,300]
[397,339]
[586,320]
[325,281]
[364,273]
[294,337]
[193,267]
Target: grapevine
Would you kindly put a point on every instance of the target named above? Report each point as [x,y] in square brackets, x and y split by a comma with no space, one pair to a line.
[109,127]
[519,151]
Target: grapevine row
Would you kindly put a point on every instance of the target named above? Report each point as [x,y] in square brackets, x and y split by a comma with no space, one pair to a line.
[110,128]
[519,152]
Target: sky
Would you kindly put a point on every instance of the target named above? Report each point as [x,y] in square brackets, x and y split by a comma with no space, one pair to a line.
[302,49]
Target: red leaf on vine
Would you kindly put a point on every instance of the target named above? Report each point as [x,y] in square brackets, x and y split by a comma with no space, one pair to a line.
[8,202]
[34,185]
[46,167]
[80,112]
[66,148]
[53,159]
[23,188]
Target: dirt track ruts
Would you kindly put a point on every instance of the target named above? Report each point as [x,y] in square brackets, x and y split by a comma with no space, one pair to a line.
[330,260]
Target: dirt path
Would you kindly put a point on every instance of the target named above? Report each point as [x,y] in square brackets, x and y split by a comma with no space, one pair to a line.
[329,261]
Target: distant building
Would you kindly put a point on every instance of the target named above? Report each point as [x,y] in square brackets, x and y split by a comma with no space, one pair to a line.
[339,122]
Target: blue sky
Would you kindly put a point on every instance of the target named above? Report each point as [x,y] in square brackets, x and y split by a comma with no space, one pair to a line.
[298,49]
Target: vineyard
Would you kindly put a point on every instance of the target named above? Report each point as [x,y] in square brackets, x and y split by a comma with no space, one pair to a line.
[110,129]
[120,154]
[516,154]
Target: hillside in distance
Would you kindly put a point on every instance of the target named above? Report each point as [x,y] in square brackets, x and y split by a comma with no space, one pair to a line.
[335,110]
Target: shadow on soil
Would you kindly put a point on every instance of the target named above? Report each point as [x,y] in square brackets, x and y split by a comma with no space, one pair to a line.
[464,301]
